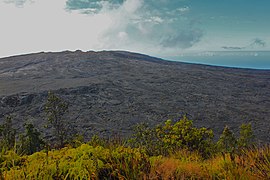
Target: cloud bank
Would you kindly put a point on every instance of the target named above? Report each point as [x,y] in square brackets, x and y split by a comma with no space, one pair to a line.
[255,44]
[157,27]
[139,24]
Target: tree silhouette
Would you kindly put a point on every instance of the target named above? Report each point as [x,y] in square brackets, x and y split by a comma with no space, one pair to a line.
[56,108]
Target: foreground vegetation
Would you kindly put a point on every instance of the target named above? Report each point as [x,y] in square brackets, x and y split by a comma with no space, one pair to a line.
[119,162]
[173,150]
[169,151]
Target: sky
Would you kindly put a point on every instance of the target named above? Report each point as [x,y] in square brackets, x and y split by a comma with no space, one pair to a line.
[162,28]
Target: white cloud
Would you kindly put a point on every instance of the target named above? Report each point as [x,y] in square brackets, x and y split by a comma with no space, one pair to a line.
[122,35]
[131,6]
[183,10]
[46,26]
[155,20]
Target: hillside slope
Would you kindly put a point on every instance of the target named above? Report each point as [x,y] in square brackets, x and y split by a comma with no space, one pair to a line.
[110,91]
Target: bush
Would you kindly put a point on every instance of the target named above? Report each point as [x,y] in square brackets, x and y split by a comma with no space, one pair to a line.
[170,137]
[228,143]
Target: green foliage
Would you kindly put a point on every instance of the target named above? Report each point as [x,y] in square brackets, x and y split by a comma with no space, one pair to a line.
[227,142]
[96,141]
[76,141]
[56,108]
[7,134]
[183,135]
[170,137]
[88,162]
[146,138]
[30,141]
[247,137]
[10,159]
[126,163]
[84,162]
[167,151]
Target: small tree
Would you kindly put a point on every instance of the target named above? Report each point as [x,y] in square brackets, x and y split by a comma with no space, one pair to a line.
[31,141]
[227,142]
[8,134]
[247,137]
[55,109]
[146,138]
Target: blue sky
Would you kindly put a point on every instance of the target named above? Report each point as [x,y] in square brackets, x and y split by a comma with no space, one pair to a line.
[163,28]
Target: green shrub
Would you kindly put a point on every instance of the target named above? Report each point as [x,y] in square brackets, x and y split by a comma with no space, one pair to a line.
[170,137]
[227,142]
[146,138]
[247,137]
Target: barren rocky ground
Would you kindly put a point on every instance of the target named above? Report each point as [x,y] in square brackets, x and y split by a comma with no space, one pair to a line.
[109,92]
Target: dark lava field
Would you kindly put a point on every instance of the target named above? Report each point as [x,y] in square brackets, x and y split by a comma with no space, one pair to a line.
[110,91]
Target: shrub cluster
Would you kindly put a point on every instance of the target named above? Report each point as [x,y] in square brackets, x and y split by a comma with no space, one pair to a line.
[170,137]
